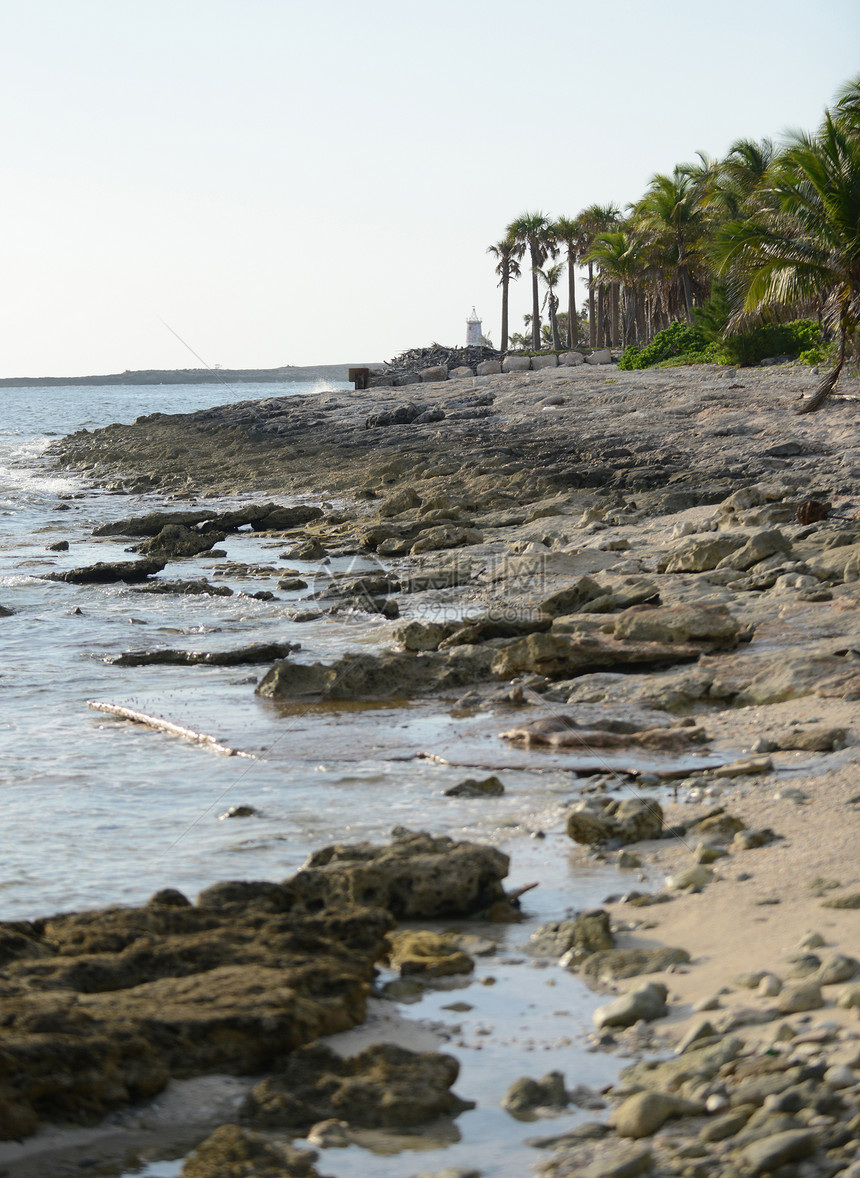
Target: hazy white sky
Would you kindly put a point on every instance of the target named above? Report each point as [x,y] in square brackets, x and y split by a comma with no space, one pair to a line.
[288,182]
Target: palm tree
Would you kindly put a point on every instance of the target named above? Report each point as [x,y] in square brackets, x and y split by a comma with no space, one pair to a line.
[593,220]
[533,231]
[551,277]
[569,233]
[507,253]
[674,213]
[805,245]
[619,255]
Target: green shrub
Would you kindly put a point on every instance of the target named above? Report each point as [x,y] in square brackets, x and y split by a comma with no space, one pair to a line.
[678,339]
[772,339]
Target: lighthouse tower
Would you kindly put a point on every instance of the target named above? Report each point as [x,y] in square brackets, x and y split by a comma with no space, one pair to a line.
[474,334]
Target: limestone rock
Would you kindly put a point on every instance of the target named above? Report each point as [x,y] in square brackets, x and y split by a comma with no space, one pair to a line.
[233,1152]
[403,499]
[489,368]
[795,999]
[416,876]
[758,547]
[383,1086]
[644,1113]
[550,360]
[766,1155]
[647,1001]
[678,623]
[594,821]
[434,373]
[613,964]
[524,1097]
[569,600]
[701,555]
[490,787]
[106,572]
[599,356]
[428,954]
[516,364]
[588,933]
[691,879]
[176,541]
[570,359]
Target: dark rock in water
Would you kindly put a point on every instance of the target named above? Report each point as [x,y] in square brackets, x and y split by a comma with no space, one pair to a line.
[176,541]
[257,652]
[490,787]
[589,933]
[109,572]
[60,546]
[187,587]
[100,1008]
[233,1152]
[5,612]
[525,1096]
[390,675]
[415,877]
[383,1086]
[260,517]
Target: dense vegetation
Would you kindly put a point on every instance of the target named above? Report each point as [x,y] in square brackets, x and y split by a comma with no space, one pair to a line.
[735,260]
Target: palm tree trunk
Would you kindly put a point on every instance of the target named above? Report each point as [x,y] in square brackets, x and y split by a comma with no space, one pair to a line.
[572,324]
[535,305]
[613,314]
[601,316]
[592,322]
[505,283]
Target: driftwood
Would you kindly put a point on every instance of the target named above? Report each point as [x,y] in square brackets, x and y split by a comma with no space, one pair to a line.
[162,725]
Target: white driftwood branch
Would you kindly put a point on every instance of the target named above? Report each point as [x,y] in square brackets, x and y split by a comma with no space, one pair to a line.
[166,726]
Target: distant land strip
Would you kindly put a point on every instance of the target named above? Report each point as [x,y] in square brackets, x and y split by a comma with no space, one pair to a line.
[225,376]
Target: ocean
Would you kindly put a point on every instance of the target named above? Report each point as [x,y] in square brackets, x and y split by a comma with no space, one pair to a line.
[98,811]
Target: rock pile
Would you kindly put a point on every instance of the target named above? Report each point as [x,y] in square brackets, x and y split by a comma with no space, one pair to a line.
[407,367]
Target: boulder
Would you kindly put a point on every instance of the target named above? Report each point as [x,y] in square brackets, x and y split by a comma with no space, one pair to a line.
[100,1008]
[803,997]
[758,547]
[430,955]
[611,965]
[233,1152]
[383,1086]
[570,359]
[701,555]
[516,364]
[445,536]
[460,372]
[176,541]
[564,655]
[489,368]
[390,675]
[599,356]
[769,1153]
[490,787]
[546,361]
[678,623]
[417,636]
[647,1002]
[589,933]
[525,1097]
[434,373]
[397,502]
[594,821]
[572,598]
[105,572]
[644,1113]
[415,877]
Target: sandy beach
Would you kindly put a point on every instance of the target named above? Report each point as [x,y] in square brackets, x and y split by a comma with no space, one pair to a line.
[653,516]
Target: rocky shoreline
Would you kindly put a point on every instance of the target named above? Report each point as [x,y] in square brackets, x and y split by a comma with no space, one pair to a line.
[616,561]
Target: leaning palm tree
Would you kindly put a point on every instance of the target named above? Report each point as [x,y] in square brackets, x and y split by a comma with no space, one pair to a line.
[507,253]
[533,231]
[551,277]
[805,247]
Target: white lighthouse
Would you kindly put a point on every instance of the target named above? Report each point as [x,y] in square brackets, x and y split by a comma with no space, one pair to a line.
[474,334]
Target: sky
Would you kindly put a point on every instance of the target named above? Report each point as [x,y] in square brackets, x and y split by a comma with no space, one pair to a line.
[253,183]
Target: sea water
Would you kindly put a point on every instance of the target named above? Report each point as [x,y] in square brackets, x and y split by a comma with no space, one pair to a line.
[99,811]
